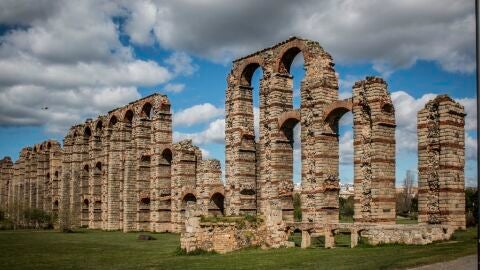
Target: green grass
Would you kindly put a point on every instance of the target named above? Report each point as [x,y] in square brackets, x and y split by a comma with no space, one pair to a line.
[96,250]
[405,220]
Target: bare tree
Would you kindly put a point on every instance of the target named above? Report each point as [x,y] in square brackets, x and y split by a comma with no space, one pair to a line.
[405,197]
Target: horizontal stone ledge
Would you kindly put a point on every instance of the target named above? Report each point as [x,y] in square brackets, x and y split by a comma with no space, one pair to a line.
[441,167]
[443,124]
[453,190]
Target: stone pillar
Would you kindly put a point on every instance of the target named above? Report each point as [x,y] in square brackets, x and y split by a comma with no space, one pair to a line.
[441,161]
[354,238]
[160,188]
[114,176]
[184,179]
[130,178]
[306,239]
[6,175]
[76,180]
[65,183]
[329,238]
[374,152]
[209,185]
[240,149]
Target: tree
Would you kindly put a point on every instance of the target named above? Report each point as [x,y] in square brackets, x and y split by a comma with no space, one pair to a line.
[406,203]
[297,207]
[471,206]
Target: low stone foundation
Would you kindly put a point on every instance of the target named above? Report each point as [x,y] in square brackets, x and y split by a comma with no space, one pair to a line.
[233,233]
[407,234]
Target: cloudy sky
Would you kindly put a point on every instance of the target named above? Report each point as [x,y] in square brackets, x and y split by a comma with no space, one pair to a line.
[83,58]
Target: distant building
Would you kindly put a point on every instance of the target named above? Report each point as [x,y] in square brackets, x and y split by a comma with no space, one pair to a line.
[346,190]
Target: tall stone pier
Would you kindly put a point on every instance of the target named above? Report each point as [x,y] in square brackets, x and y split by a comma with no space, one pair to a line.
[441,162]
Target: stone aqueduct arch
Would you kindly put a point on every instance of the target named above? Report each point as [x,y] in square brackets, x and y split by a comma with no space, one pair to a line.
[264,164]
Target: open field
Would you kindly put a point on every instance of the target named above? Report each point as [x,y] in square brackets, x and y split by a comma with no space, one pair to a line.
[116,250]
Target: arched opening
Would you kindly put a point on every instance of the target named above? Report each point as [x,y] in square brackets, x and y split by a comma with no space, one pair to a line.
[87,133]
[128,118]
[99,126]
[167,156]
[56,174]
[55,206]
[98,168]
[97,212]
[339,120]
[147,111]
[113,121]
[216,205]
[296,237]
[145,159]
[144,211]
[85,176]
[251,83]
[49,145]
[164,203]
[85,218]
[145,203]
[189,198]
[290,131]
[292,67]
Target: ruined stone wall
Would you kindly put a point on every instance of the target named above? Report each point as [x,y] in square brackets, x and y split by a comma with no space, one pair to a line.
[406,234]
[441,161]
[117,172]
[260,169]
[374,152]
[34,179]
[227,236]
[210,188]
[185,165]
[112,166]
[6,177]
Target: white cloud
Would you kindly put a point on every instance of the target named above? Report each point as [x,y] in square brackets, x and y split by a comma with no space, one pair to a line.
[140,22]
[256,122]
[470,105]
[69,56]
[346,148]
[181,63]
[174,87]
[406,108]
[197,114]
[397,35]
[205,153]
[215,133]
[58,110]
[470,148]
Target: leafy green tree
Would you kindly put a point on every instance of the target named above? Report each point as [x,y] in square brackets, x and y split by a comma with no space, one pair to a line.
[297,207]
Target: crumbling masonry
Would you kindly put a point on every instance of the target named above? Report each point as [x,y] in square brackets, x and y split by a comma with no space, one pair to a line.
[259,173]
[122,171]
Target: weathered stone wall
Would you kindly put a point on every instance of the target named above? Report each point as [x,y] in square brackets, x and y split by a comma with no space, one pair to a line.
[406,234]
[441,161]
[260,169]
[33,181]
[6,177]
[117,172]
[223,237]
[374,152]
[111,180]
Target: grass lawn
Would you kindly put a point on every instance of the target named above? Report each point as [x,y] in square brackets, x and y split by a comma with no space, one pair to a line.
[95,250]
